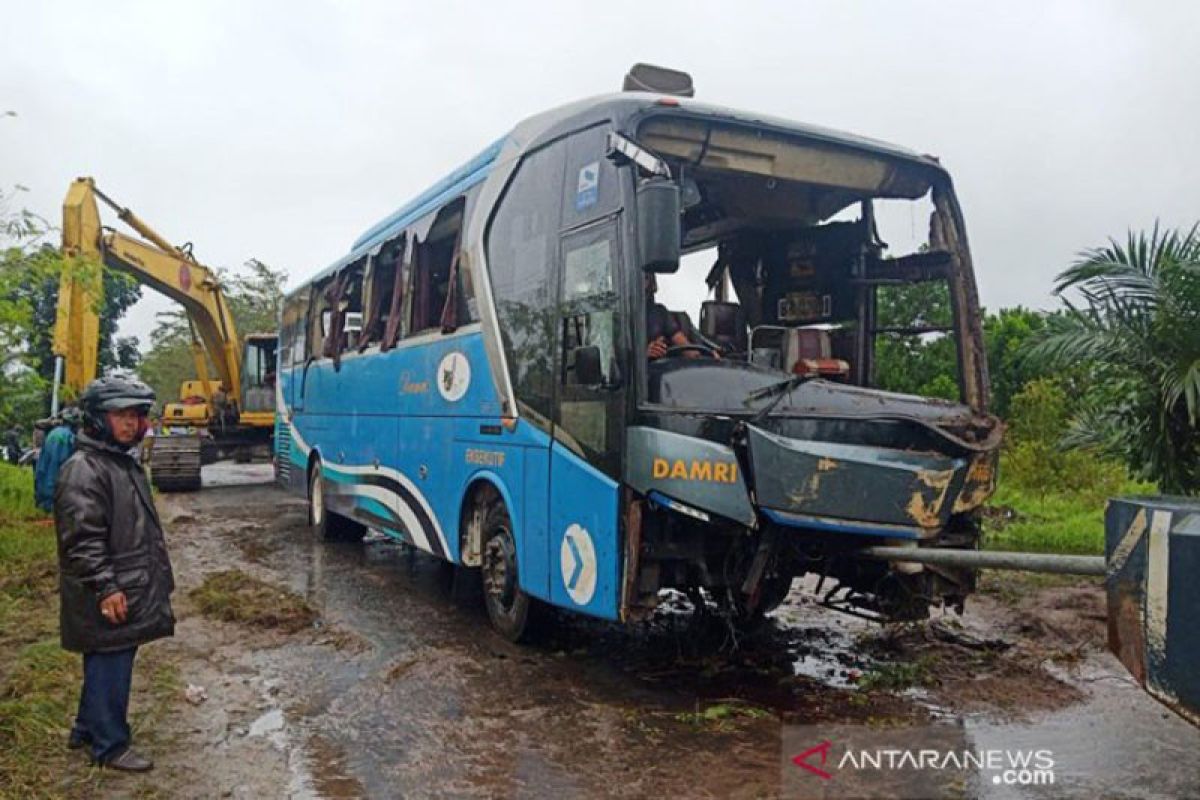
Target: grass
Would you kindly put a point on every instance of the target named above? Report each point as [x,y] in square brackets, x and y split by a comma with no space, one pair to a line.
[895,676]
[722,716]
[16,493]
[39,681]
[234,596]
[1037,520]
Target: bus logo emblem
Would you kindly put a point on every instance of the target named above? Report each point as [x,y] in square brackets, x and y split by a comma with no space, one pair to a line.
[578,561]
[453,376]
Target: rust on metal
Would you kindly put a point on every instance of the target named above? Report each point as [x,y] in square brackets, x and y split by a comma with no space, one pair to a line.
[925,504]
[980,483]
[633,550]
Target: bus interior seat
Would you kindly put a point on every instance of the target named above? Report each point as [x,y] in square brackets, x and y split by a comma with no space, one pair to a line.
[809,351]
[725,324]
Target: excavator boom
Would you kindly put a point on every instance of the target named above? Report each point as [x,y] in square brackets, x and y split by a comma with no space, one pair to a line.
[77,324]
[153,261]
[173,271]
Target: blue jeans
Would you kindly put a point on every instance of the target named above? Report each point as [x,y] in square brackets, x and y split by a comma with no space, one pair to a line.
[104,703]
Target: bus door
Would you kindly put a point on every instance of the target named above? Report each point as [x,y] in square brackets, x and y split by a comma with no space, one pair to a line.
[586,452]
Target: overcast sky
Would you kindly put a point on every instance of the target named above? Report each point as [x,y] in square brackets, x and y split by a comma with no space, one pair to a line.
[281,131]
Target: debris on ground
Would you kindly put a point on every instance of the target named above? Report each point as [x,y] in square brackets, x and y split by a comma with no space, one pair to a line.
[233,596]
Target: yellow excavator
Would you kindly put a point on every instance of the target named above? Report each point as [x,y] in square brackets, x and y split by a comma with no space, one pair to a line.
[232,415]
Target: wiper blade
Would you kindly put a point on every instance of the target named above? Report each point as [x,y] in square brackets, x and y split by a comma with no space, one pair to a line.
[778,390]
[782,387]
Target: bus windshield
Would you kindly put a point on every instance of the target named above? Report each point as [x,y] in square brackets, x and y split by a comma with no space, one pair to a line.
[802,259]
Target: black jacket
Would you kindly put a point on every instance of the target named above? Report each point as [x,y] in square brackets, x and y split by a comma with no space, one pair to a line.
[109,540]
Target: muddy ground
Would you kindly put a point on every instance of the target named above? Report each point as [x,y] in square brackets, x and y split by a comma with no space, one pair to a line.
[400,689]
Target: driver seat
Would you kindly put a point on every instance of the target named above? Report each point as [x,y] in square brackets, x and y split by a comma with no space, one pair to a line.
[725,324]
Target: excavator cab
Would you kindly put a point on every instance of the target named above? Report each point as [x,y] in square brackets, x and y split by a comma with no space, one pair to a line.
[258,379]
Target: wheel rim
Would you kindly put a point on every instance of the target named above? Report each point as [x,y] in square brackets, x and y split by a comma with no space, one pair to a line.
[317,498]
[500,570]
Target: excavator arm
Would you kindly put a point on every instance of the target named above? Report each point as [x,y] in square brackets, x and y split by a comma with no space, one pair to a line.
[153,261]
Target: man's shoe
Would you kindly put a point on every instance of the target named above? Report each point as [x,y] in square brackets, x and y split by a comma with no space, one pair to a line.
[76,741]
[129,761]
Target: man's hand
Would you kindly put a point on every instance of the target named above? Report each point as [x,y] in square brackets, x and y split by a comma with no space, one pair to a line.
[657,348]
[113,608]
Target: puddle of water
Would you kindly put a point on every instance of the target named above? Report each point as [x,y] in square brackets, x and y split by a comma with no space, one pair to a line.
[268,723]
[229,473]
[1118,742]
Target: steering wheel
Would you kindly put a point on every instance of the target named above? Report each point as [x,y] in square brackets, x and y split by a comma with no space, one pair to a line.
[676,349]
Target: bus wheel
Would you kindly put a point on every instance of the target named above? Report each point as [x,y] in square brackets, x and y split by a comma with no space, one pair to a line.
[331,526]
[508,607]
[774,591]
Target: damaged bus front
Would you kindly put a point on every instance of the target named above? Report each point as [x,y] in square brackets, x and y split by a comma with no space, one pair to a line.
[760,447]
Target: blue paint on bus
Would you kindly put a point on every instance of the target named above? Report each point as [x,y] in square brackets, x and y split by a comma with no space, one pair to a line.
[393,449]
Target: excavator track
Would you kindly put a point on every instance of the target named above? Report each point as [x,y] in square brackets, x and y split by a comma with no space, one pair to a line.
[175,463]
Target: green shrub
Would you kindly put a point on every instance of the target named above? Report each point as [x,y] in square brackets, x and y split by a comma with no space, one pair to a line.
[16,493]
[1034,460]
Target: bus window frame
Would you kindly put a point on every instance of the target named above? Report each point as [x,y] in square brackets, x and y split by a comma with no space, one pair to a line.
[458,206]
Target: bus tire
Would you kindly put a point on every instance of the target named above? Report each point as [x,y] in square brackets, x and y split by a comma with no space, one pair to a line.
[512,612]
[330,526]
[775,590]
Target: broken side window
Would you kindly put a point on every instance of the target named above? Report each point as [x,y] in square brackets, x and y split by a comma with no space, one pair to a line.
[436,256]
[394,258]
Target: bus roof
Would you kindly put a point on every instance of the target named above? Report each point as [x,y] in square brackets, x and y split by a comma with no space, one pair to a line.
[621,108]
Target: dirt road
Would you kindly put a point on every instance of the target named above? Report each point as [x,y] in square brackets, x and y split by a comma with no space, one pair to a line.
[401,690]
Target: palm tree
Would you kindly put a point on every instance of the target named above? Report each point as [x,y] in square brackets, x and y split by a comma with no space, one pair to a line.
[1136,336]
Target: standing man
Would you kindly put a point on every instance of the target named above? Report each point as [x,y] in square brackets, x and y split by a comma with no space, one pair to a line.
[114,573]
[56,449]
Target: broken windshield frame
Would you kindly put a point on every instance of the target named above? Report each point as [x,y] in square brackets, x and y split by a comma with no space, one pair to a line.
[774,209]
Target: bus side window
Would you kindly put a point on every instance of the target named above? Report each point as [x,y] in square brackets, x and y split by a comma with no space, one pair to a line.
[295,328]
[400,253]
[434,299]
[320,320]
[522,243]
[351,307]
[589,300]
[429,287]
[380,299]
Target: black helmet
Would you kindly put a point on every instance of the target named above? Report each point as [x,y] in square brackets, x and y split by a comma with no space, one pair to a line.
[112,393]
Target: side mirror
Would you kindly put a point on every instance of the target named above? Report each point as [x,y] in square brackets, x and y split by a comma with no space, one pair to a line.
[658,225]
[588,370]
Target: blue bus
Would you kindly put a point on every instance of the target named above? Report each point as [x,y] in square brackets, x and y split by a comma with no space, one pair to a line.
[489,376]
